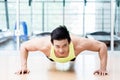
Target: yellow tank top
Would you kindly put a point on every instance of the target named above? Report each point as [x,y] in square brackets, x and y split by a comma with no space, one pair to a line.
[63,60]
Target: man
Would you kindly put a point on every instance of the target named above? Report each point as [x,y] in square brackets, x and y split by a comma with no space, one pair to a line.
[62,47]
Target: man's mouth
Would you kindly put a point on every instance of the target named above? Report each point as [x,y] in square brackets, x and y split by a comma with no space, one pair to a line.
[62,53]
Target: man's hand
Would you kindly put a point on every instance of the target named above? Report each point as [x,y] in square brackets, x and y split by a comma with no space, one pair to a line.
[101,72]
[22,71]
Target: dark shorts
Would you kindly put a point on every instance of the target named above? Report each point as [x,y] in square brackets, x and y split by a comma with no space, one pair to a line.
[53,60]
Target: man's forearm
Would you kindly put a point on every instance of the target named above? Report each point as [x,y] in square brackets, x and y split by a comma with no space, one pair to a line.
[24,56]
[23,63]
[103,57]
[103,62]
[24,59]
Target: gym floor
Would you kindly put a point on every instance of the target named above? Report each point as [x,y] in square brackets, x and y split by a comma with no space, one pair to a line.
[43,69]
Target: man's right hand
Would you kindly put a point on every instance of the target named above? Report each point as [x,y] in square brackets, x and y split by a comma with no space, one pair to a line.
[22,71]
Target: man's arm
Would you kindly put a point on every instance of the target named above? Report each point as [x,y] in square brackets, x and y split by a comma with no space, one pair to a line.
[37,44]
[23,57]
[92,45]
[103,60]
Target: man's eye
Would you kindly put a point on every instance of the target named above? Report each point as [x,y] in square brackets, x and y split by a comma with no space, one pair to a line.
[65,45]
[57,46]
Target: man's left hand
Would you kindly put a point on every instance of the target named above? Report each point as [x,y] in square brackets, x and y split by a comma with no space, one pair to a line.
[101,72]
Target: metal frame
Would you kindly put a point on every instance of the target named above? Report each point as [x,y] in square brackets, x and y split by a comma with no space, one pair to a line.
[7,14]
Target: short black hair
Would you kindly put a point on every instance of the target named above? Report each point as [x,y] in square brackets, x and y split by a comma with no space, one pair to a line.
[60,33]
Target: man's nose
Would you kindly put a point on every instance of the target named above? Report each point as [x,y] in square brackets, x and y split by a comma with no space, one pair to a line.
[61,50]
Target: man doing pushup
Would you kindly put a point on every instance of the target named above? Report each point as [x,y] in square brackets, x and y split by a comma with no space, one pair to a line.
[62,47]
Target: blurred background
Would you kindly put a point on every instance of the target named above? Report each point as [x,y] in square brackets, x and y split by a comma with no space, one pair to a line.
[26,19]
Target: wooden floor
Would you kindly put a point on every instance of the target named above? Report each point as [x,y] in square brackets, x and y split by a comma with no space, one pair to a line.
[43,69]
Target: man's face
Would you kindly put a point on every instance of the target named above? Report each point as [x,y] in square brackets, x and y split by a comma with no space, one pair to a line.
[61,46]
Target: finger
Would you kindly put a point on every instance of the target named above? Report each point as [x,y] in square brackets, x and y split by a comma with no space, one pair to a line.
[22,72]
[18,73]
[96,72]
[101,73]
[26,72]
[105,73]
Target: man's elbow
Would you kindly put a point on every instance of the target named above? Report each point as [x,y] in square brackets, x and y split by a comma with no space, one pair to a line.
[103,49]
[104,46]
[23,47]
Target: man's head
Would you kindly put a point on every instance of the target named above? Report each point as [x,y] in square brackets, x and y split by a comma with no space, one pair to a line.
[60,33]
[60,39]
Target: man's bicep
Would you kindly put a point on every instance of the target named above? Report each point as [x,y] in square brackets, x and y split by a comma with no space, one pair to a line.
[29,45]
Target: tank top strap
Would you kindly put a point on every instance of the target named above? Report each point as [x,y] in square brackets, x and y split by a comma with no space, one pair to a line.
[66,59]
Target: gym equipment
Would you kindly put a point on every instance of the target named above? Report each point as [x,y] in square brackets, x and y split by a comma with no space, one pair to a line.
[103,36]
[23,31]
[40,35]
[5,35]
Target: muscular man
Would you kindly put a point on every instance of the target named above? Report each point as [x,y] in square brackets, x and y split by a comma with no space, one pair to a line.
[62,47]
